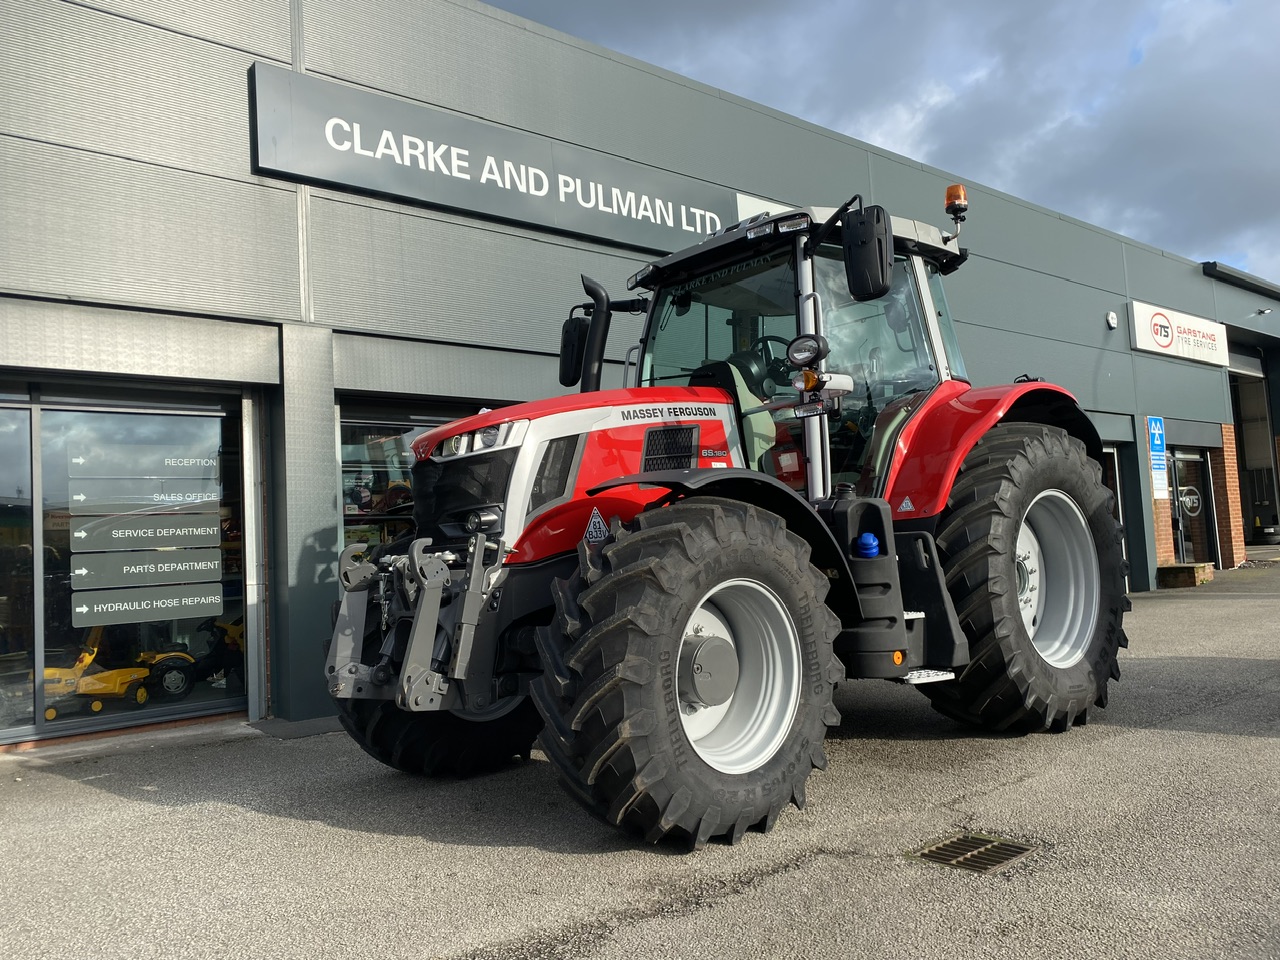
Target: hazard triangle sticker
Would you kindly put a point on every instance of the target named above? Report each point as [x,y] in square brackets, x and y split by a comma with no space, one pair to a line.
[906,506]
[597,530]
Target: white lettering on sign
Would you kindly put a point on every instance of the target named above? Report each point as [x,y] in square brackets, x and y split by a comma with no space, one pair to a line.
[408,150]
[166,532]
[1168,332]
[428,155]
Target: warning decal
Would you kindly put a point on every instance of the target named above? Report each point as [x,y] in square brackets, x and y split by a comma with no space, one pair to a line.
[906,505]
[597,530]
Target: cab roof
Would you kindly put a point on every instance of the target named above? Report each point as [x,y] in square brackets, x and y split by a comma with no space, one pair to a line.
[763,230]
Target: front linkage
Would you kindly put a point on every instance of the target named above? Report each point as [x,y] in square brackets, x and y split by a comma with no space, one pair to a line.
[411,666]
[426,614]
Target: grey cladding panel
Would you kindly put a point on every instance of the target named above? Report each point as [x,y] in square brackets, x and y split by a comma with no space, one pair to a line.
[379,268]
[371,364]
[141,235]
[1169,282]
[72,338]
[1002,228]
[1181,389]
[258,26]
[86,79]
[996,294]
[1100,379]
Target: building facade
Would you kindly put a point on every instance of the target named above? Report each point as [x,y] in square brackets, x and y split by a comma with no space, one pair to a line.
[248,249]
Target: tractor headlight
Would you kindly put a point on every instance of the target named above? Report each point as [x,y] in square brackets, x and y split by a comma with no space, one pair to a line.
[807,349]
[496,436]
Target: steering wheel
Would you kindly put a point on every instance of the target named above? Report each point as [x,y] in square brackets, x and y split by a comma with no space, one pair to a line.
[777,369]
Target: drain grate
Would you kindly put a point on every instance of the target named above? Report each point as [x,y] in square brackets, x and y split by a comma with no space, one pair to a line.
[972,851]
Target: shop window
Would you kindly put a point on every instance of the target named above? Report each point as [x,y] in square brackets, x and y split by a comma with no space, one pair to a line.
[142,566]
[17,570]
[377,502]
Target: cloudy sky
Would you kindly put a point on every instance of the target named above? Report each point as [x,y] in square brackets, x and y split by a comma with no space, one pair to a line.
[1158,119]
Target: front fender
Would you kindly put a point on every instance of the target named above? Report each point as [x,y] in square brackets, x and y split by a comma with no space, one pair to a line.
[934,443]
[764,491]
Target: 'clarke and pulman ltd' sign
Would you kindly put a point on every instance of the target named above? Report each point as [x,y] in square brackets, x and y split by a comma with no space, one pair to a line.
[317,130]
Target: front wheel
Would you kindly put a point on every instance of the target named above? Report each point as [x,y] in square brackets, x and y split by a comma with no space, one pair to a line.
[1033,562]
[442,743]
[688,678]
[436,743]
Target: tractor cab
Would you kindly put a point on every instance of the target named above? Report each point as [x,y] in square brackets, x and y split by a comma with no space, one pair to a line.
[725,312]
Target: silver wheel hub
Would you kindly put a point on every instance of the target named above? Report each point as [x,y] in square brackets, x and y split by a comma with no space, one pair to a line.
[173,681]
[739,676]
[1058,581]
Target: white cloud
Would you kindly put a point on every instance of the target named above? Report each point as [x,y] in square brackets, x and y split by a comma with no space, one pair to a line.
[1152,118]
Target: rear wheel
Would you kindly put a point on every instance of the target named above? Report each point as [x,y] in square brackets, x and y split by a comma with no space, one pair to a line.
[171,678]
[1032,555]
[688,679]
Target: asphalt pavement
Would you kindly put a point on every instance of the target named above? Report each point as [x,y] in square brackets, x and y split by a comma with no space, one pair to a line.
[1155,828]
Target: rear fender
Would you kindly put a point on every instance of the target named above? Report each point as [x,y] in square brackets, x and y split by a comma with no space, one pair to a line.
[934,443]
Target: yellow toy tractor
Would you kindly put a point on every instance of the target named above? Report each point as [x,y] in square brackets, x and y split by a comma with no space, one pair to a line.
[164,675]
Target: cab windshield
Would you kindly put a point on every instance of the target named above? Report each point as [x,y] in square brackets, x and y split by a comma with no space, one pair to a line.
[743,313]
[730,328]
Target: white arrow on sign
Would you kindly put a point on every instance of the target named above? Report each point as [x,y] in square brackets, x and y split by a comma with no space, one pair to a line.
[80,496]
[79,534]
[81,572]
[82,609]
[79,460]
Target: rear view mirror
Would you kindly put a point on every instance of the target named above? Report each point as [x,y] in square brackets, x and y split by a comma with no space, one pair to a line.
[573,347]
[868,252]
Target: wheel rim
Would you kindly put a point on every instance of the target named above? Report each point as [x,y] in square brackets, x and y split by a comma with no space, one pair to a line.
[1059,586]
[742,623]
[174,681]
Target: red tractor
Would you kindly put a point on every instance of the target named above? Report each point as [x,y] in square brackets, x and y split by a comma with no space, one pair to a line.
[665,582]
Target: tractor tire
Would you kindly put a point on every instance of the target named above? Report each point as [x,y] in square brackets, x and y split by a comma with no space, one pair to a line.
[687,681]
[1033,562]
[172,678]
[441,744]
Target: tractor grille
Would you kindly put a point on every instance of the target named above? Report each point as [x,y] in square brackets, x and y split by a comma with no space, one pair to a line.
[969,851]
[670,448]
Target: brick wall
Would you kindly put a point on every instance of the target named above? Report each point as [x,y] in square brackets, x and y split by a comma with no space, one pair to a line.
[1226,500]
[1163,513]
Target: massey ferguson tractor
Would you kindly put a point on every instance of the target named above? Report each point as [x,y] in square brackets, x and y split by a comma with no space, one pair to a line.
[665,582]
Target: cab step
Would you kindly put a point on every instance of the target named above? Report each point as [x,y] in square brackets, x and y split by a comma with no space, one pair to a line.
[928,676]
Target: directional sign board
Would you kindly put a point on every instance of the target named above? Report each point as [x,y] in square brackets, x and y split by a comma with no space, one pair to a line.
[140,460]
[96,607]
[145,532]
[141,568]
[94,496]
[143,514]
[1159,466]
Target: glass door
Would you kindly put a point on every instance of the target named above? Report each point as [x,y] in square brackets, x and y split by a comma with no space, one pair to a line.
[1195,537]
[1111,478]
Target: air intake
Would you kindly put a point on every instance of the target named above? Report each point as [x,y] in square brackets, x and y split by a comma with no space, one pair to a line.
[670,448]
